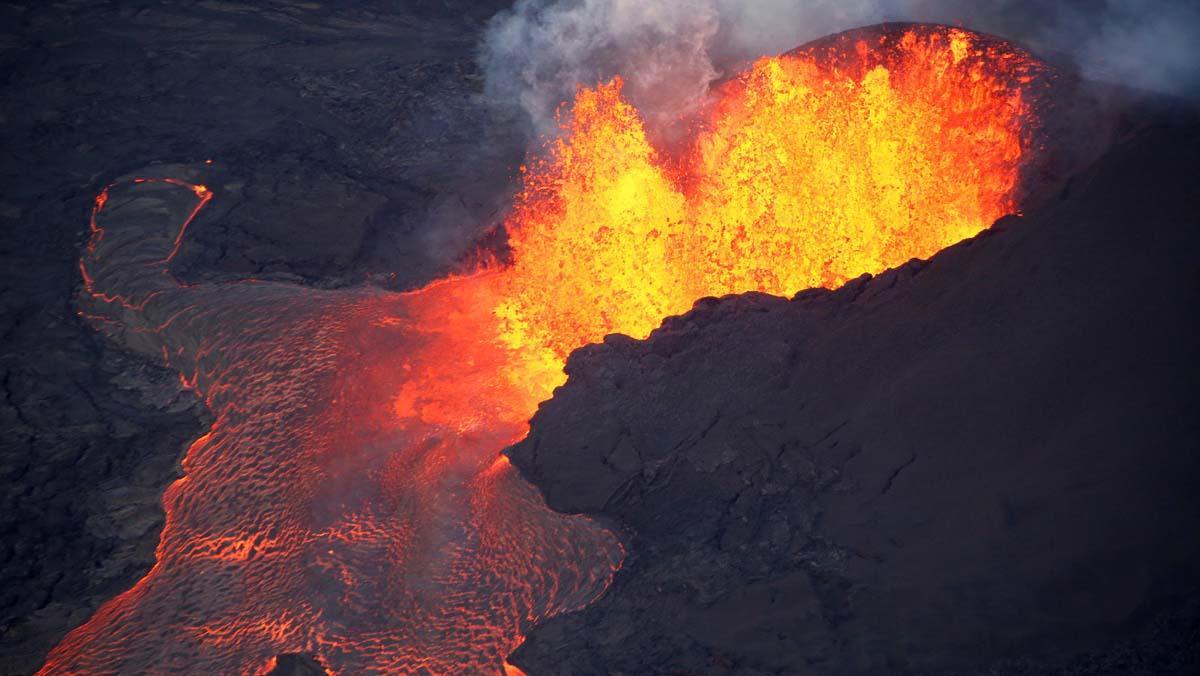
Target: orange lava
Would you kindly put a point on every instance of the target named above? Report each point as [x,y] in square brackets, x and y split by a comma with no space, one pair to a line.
[808,170]
[349,501]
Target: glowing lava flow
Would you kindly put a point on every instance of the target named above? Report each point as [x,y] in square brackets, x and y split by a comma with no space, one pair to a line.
[350,501]
[809,169]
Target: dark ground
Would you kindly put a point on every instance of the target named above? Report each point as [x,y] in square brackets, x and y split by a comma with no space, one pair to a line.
[962,519]
[342,130]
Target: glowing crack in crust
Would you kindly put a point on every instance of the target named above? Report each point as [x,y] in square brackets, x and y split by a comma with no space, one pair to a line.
[350,500]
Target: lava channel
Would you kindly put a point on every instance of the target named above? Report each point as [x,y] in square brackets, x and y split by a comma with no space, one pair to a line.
[351,500]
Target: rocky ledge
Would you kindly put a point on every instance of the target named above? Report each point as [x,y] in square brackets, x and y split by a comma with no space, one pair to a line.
[983,463]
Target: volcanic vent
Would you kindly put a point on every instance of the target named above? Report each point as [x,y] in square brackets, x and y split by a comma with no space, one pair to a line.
[351,500]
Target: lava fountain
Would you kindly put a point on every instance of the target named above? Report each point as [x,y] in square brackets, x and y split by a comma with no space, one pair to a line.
[351,500]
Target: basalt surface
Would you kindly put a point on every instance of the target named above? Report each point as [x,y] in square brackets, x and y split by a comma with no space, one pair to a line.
[337,131]
[982,463]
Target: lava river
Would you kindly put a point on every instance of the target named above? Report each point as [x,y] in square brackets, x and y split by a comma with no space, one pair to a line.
[351,500]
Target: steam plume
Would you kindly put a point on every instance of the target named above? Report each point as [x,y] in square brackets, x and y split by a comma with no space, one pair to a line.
[668,52]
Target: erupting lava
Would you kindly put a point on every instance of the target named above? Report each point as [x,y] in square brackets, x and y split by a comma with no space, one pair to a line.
[809,169]
[350,501]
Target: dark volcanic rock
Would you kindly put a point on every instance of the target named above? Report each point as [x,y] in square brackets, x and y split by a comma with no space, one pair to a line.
[92,437]
[297,665]
[983,463]
[337,129]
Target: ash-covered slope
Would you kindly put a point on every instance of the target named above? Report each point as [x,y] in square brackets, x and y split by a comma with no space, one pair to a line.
[988,456]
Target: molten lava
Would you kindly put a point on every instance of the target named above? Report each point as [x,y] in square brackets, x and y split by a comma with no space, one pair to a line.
[806,172]
[350,502]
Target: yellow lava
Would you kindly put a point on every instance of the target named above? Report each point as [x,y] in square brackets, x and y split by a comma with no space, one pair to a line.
[808,170]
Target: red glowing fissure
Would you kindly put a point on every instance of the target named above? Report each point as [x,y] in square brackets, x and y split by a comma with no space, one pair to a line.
[97,235]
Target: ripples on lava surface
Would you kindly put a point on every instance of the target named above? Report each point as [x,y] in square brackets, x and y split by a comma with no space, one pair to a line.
[350,500]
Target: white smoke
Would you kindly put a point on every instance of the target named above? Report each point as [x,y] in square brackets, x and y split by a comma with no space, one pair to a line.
[538,52]
[669,51]
[1153,45]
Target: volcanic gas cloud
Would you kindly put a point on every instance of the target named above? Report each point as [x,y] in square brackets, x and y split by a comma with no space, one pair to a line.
[351,500]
